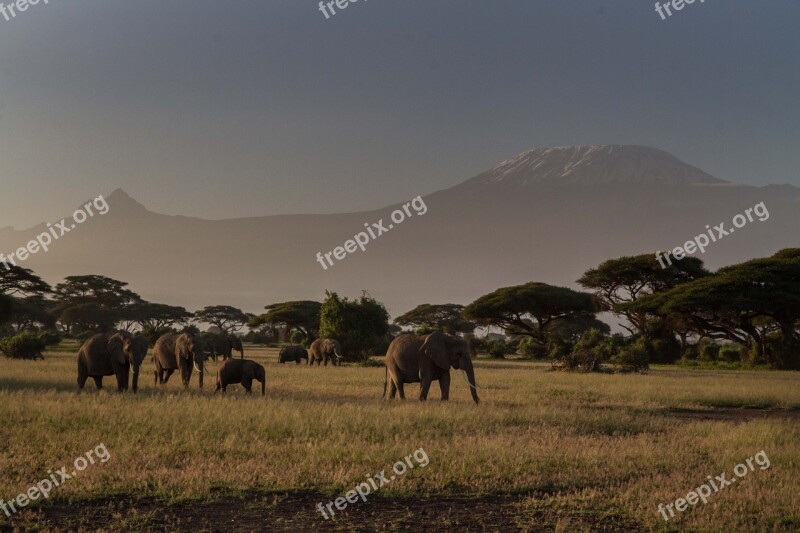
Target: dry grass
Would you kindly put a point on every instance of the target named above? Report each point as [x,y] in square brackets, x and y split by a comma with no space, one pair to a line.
[593,444]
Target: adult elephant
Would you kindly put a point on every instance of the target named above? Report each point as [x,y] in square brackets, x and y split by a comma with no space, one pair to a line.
[413,359]
[323,350]
[117,354]
[241,371]
[293,353]
[223,345]
[179,351]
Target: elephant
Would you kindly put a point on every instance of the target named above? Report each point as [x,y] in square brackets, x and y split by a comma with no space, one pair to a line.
[324,349]
[293,353]
[114,354]
[242,371]
[414,359]
[223,344]
[179,350]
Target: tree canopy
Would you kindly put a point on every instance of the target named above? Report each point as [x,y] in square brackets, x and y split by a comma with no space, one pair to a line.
[736,302]
[530,309]
[15,280]
[227,318]
[94,303]
[448,318]
[625,279]
[302,315]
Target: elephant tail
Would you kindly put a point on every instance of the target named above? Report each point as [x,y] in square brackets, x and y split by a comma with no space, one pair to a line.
[385,379]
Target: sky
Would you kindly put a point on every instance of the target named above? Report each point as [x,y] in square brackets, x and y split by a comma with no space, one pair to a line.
[255,107]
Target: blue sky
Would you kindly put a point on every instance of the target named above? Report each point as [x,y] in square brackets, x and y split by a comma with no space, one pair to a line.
[240,108]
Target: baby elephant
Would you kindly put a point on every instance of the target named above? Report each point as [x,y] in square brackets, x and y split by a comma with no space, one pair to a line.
[242,371]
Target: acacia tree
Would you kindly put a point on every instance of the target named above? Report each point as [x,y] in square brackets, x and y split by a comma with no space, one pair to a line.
[302,315]
[93,303]
[741,303]
[225,317]
[628,278]
[531,309]
[15,280]
[361,326]
[448,318]
[156,317]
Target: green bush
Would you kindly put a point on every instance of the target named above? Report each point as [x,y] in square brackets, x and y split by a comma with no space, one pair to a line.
[709,350]
[297,337]
[23,346]
[530,348]
[50,337]
[497,349]
[635,356]
[730,353]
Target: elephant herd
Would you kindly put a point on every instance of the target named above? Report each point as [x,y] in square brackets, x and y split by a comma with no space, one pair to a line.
[409,359]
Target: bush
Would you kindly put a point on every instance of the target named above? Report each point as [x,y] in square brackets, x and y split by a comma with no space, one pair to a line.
[23,346]
[730,353]
[709,350]
[531,348]
[497,349]
[297,337]
[50,337]
[558,348]
[634,357]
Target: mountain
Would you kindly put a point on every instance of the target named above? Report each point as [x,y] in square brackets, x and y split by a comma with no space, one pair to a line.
[545,215]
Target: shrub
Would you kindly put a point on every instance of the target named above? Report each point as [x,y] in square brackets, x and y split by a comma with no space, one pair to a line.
[531,348]
[730,353]
[23,346]
[497,349]
[297,337]
[709,350]
[50,337]
[635,356]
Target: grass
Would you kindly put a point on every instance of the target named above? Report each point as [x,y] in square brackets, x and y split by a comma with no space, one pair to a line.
[571,445]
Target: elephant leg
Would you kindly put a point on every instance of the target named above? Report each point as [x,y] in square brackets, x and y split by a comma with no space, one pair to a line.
[426,385]
[247,383]
[444,384]
[98,382]
[392,390]
[83,374]
[400,388]
[168,374]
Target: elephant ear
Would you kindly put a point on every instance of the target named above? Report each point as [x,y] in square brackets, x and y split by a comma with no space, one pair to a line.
[139,346]
[435,347]
[180,346]
[115,349]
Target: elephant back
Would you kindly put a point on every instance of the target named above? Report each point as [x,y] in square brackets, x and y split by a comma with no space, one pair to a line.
[94,352]
[164,350]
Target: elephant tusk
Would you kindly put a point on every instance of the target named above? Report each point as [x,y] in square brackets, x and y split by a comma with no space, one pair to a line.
[464,375]
[197,367]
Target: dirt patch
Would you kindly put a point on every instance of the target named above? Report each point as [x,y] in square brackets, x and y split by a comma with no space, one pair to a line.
[298,513]
[735,414]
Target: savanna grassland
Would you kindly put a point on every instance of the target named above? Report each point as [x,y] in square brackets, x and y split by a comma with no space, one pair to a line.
[544,451]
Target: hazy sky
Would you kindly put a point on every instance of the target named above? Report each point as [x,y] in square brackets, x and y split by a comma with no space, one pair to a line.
[237,108]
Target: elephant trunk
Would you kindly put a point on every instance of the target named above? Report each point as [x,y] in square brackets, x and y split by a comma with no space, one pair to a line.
[466,366]
[200,375]
[136,368]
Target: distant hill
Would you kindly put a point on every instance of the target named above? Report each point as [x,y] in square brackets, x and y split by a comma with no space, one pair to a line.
[545,215]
